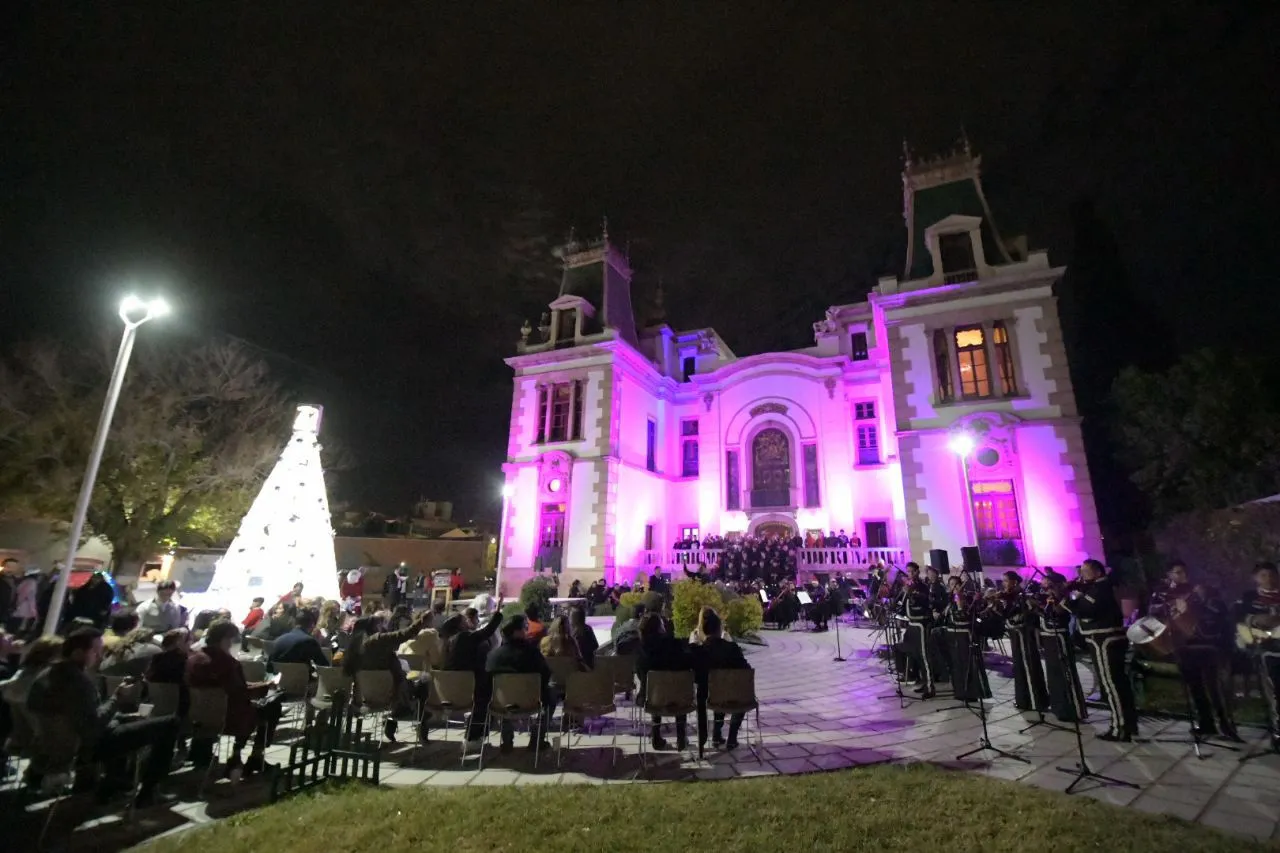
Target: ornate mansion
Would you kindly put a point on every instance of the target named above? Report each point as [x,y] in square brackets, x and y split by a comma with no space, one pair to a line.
[936,414]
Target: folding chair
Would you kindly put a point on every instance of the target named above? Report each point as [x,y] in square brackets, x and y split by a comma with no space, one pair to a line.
[451,692]
[733,691]
[57,743]
[208,716]
[667,694]
[516,696]
[377,691]
[415,664]
[164,698]
[294,685]
[255,670]
[623,670]
[587,695]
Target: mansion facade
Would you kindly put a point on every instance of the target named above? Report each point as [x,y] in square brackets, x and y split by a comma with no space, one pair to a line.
[936,414]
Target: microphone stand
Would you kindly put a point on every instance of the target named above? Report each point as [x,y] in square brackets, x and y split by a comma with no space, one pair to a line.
[1034,634]
[839,658]
[1082,770]
[975,660]
[1261,665]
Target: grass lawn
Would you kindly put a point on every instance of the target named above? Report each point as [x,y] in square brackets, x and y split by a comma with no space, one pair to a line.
[874,809]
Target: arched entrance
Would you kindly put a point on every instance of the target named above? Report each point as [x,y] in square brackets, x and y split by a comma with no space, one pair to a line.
[770,469]
[774,527]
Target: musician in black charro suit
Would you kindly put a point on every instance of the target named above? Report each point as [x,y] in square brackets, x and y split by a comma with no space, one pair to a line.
[968,672]
[1258,614]
[1030,691]
[1202,655]
[919,620]
[1066,695]
[1102,624]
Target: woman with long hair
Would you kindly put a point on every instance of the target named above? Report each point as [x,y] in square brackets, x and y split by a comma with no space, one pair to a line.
[559,641]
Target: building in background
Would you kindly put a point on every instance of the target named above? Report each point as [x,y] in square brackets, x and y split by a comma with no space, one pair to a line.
[935,415]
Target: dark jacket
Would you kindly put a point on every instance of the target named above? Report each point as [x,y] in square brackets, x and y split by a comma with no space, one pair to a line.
[170,667]
[212,667]
[66,690]
[663,653]
[1097,608]
[467,650]
[378,651]
[715,653]
[517,657]
[297,646]
[587,644]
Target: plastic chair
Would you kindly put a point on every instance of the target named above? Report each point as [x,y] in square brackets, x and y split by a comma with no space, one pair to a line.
[164,698]
[623,669]
[733,691]
[451,692]
[562,668]
[330,680]
[377,691]
[515,696]
[667,694]
[294,684]
[254,670]
[208,717]
[56,746]
[587,695]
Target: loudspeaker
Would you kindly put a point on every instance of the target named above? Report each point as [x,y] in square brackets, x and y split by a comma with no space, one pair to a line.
[971,558]
[938,560]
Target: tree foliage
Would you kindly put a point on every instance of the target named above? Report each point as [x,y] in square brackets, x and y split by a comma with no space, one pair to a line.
[1203,435]
[1223,545]
[195,433]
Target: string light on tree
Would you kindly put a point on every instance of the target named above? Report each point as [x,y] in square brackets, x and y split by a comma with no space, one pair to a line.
[287,535]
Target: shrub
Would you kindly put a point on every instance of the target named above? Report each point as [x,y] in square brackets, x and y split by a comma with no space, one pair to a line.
[538,590]
[744,617]
[602,609]
[689,597]
[626,609]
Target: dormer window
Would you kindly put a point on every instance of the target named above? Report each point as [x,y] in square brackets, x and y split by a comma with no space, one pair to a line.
[566,321]
[956,253]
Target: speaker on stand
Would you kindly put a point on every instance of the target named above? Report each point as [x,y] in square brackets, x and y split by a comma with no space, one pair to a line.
[938,560]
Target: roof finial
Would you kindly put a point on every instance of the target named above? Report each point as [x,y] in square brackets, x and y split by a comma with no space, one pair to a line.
[604,228]
[906,152]
[964,141]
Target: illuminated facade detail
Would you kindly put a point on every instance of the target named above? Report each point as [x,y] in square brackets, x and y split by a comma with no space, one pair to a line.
[659,432]
[286,537]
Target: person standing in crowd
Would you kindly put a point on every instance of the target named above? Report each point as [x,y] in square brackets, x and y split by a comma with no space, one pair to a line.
[519,653]
[919,623]
[161,614]
[66,689]
[1102,625]
[1030,691]
[395,589]
[10,575]
[1258,615]
[254,616]
[92,602]
[1066,694]
[715,652]
[1203,662]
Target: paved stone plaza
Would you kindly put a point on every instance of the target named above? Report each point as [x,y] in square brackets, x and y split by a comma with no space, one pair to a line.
[818,714]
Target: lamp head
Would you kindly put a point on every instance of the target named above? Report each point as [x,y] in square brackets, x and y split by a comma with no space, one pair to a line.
[134,310]
[961,444]
[508,490]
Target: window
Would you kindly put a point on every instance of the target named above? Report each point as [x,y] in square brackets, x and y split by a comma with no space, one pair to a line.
[858,346]
[996,524]
[1004,357]
[956,251]
[689,448]
[732,485]
[648,537]
[942,365]
[868,445]
[811,475]
[864,411]
[689,533]
[560,411]
[971,355]
[565,328]
[877,534]
[552,529]
[687,366]
[651,446]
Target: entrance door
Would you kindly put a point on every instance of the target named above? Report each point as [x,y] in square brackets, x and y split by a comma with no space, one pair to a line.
[780,529]
[995,519]
[551,538]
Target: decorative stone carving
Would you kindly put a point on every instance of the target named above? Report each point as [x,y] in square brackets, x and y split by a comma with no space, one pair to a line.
[830,385]
[769,409]
[555,468]
[823,328]
[707,399]
[525,331]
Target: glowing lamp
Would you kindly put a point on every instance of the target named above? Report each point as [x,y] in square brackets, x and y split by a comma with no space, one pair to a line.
[961,444]
[555,485]
[508,490]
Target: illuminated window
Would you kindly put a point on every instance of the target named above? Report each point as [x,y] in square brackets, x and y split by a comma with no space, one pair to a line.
[864,411]
[560,411]
[942,365]
[1004,357]
[971,357]
[689,448]
[858,346]
[651,445]
[868,445]
[810,455]
[877,534]
[732,487]
[689,532]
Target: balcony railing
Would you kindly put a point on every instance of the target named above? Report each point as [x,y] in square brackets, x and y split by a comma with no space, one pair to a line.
[808,560]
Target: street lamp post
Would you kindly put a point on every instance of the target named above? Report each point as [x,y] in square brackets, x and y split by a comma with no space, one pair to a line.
[134,312]
[507,490]
[961,444]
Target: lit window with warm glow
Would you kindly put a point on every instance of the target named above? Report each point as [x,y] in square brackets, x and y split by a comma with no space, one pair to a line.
[1004,357]
[942,366]
[971,357]
[560,412]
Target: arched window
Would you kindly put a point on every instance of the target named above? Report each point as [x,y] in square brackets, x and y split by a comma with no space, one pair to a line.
[770,469]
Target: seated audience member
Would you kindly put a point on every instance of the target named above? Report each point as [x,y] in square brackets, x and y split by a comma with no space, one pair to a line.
[36,655]
[519,654]
[626,640]
[715,652]
[131,657]
[66,689]
[536,630]
[170,666]
[278,622]
[466,649]
[329,623]
[583,636]
[299,645]
[372,649]
[660,652]
[121,626]
[254,616]
[247,715]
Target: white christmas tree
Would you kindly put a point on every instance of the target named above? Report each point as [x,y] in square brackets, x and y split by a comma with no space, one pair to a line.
[287,535]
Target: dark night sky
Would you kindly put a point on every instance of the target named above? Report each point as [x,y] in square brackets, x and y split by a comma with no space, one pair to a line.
[355,191]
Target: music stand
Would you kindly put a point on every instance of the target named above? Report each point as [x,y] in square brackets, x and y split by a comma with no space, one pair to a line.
[1082,770]
[1249,754]
[975,659]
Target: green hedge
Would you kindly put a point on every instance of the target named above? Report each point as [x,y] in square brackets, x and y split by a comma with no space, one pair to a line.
[688,599]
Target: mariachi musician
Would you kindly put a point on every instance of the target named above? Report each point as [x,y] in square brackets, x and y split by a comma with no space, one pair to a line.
[915,607]
[939,640]
[968,673]
[1066,696]
[1200,621]
[1102,625]
[1030,693]
[1259,629]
